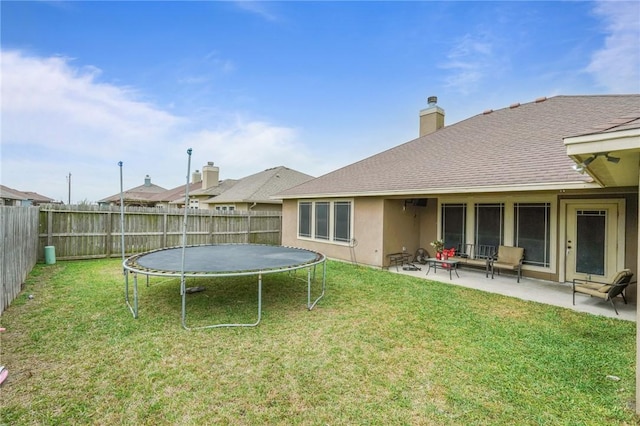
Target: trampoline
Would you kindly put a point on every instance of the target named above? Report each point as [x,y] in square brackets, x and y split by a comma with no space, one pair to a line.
[222,260]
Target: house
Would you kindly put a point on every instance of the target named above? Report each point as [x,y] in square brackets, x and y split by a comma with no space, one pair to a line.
[140,196]
[13,197]
[557,176]
[256,192]
[204,187]
[207,191]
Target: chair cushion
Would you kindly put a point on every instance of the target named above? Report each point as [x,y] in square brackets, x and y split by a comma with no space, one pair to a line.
[620,275]
[509,255]
[591,292]
[604,288]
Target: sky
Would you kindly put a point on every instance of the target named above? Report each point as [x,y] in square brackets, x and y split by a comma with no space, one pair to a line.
[313,86]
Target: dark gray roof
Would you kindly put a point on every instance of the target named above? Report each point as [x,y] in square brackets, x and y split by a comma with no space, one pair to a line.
[516,147]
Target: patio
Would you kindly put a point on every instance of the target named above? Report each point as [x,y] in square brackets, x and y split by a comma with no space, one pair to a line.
[548,292]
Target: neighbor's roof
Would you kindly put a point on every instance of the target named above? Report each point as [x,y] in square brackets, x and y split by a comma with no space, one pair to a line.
[262,186]
[213,191]
[37,197]
[176,194]
[139,193]
[14,194]
[513,148]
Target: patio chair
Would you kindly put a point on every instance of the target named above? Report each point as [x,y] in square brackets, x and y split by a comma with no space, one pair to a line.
[607,291]
[509,258]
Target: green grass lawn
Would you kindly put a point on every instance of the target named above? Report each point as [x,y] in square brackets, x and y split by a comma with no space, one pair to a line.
[378,349]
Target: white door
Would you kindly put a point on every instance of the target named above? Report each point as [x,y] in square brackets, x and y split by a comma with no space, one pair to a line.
[592,241]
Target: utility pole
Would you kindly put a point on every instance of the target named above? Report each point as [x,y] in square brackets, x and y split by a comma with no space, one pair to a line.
[69,181]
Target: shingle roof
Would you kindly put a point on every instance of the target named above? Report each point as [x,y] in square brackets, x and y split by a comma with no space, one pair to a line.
[223,185]
[262,186]
[139,193]
[176,194]
[14,194]
[512,147]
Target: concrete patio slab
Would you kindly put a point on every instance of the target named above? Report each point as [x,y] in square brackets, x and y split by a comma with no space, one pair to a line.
[548,292]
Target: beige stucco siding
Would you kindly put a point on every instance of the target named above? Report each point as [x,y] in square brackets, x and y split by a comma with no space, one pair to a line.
[383,226]
[367,232]
[290,223]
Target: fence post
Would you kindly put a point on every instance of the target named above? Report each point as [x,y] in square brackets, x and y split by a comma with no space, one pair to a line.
[107,237]
[49,227]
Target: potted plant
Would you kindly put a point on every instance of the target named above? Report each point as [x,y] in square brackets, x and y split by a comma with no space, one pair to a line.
[438,245]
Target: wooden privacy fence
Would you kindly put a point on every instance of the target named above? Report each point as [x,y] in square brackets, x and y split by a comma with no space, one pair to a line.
[18,249]
[85,232]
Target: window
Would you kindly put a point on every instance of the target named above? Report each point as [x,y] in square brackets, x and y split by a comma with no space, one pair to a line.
[489,224]
[342,222]
[533,231]
[322,220]
[591,241]
[304,219]
[325,220]
[454,218]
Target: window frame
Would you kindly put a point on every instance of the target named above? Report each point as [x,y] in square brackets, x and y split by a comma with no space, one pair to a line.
[546,261]
[555,223]
[333,206]
[463,206]
[501,231]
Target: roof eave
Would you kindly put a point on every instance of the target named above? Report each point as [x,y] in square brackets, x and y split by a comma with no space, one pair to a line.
[552,186]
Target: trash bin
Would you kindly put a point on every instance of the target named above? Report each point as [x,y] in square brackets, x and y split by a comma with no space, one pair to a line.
[49,255]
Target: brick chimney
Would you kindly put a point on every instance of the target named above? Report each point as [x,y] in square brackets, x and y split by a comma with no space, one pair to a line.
[210,175]
[431,118]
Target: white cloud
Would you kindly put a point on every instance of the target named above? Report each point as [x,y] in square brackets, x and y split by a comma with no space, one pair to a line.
[59,119]
[259,8]
[469,62]
[616,66]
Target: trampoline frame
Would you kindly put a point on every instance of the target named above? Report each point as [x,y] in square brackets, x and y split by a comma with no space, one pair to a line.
[130,267]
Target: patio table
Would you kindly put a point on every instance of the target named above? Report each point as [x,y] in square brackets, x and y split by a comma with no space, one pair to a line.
[451,265]
[398,259]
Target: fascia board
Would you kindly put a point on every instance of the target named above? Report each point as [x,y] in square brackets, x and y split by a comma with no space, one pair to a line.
[603,142]
[462,190]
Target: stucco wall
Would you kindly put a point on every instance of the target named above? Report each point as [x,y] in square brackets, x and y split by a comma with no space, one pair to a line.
[401,227]
[383,226]
[367,231]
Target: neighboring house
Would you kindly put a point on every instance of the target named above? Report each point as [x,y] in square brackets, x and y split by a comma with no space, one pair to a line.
[256,192]
[140,196]
[13,197]
[557,176]
[207,191]
[203,187]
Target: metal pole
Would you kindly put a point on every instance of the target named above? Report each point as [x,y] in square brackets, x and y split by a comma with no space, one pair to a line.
[69,181]
[133,309]
[121,215]
[183,289]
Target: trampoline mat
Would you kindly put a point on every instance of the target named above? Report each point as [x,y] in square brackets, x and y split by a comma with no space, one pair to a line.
[225,258]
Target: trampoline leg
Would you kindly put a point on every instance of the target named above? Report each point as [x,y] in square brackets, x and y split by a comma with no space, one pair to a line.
[310,305]
[134,308]
[183,295]
[184,310]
